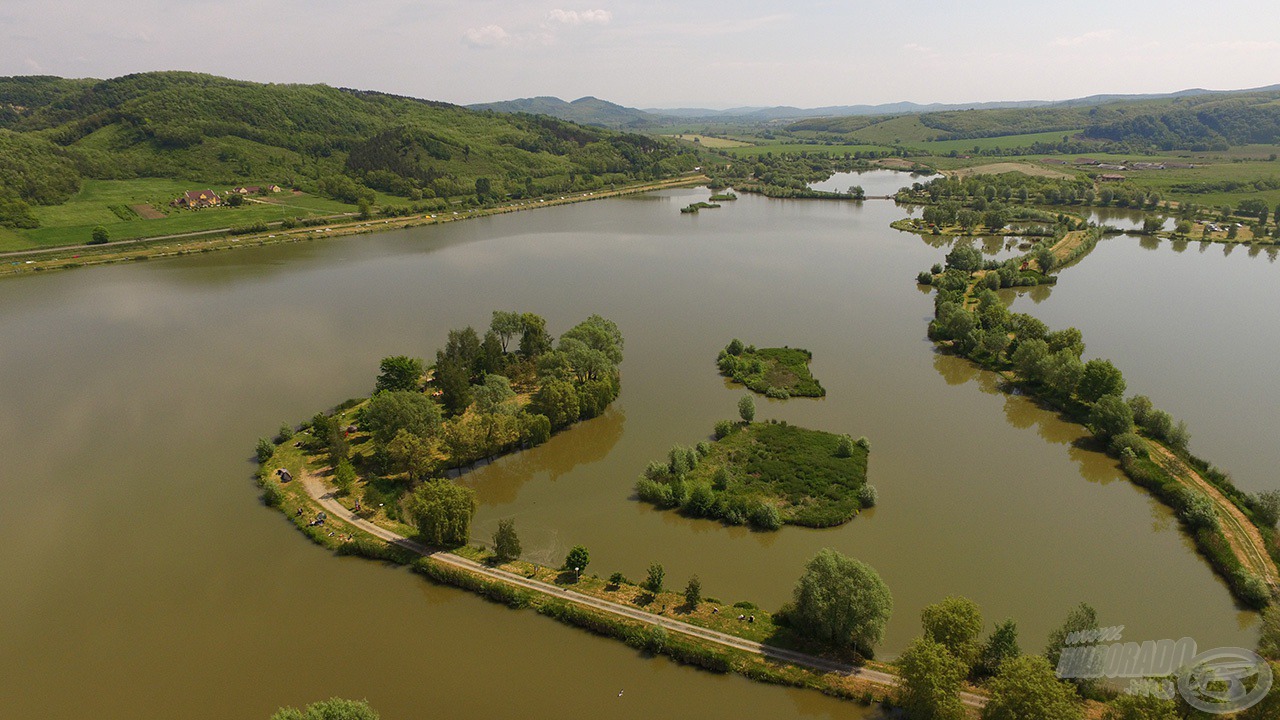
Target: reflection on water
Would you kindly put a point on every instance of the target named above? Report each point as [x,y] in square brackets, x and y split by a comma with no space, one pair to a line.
[143,387]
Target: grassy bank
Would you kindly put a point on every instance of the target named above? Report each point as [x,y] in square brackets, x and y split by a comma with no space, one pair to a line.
[774,372]
[68,258]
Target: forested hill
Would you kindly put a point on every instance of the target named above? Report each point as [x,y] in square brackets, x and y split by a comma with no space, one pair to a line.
[1206,121]
[54,132]
[586,110]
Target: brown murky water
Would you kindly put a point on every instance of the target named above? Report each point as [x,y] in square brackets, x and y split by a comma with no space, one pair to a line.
[143,579]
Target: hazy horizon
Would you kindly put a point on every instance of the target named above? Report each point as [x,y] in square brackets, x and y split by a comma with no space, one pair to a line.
[663,54]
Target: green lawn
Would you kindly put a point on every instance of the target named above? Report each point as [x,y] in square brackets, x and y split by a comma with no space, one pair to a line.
[72,222]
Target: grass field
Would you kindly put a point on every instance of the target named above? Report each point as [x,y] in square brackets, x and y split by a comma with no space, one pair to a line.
[906,130]
[942,147]
[779,148]
[72,222]
[707,141]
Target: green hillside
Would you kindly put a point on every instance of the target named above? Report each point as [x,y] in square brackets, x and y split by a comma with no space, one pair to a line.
[586,111]
[1211,121]
[344,144]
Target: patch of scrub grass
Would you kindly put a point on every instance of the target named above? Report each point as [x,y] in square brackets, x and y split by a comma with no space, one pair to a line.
[765,475]
[774,372]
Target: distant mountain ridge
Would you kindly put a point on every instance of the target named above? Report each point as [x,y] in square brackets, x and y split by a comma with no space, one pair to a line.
[594,111]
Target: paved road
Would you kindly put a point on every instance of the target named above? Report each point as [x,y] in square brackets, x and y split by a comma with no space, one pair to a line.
[326,499]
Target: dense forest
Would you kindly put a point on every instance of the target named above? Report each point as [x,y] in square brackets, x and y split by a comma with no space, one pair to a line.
[55,132]
[1212,121]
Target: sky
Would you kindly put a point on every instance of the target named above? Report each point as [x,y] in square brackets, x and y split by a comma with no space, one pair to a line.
[665,53]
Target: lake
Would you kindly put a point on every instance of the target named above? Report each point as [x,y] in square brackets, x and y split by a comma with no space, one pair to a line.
[143,573]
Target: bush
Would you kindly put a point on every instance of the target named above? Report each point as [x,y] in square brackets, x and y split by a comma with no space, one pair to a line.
[284,434]
[364,547]
[765,517]
[99,236]
[1198,511]
[265,450]
[844,447]
[924,278]
[617,579]
[272,495]
[864,443]
[1130,441]
[724,428]
[867,495]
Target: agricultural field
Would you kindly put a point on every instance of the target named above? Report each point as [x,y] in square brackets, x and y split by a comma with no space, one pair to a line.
[780,148]
[707,141]
[942,147]
[131,209]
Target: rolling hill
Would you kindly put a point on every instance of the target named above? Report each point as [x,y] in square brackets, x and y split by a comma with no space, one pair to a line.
[584,111]
[55,133]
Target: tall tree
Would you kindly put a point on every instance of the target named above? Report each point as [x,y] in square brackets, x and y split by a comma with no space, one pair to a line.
[954,623]
[931,682]
[1027,689]
[1000,647]
[390,411]
[331,709]
[506,543]
[506,325]
[747,409]
[1100,378]
[442,512]
[842,601]
[534,339]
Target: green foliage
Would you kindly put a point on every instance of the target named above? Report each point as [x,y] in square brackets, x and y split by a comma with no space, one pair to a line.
[844,447]
[653,579]
[780,372]
[932,679]
[843,602]
[1026,688]
[617,579]
[506,543]
[1111,417]
[1141,707]
[265,450]
[331,709]
[442,512]
[284,434]
[577,559]
[399,372]
[693,593]
[344,477]
[99,235]
[1000,647]
[557,400]
[747,409]
[1266,508]
[965,257]
[764,474]
[1269,636]
[390,411]
[1100,378]
[954,623]
[1081,618]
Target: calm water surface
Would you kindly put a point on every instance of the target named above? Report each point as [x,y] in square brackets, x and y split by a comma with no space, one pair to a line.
[143,578]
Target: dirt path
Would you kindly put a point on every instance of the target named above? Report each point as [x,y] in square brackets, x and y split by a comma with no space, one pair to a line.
[316,489]
[1242,535]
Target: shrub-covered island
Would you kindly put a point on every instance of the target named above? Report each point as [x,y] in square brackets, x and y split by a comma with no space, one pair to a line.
[764,474]
[773,372]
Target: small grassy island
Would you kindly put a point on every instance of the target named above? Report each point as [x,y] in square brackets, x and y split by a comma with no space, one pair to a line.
[773,372]
[723,197]
[764,474]
[695,207]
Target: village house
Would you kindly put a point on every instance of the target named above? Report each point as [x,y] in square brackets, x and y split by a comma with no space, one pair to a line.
[255,189]
[1110,178]
[197,199]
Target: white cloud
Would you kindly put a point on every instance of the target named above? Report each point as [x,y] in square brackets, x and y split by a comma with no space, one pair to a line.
[487,36]
[1085,39]
[580,17]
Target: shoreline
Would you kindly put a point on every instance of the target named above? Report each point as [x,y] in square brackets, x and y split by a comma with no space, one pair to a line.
[70,257]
